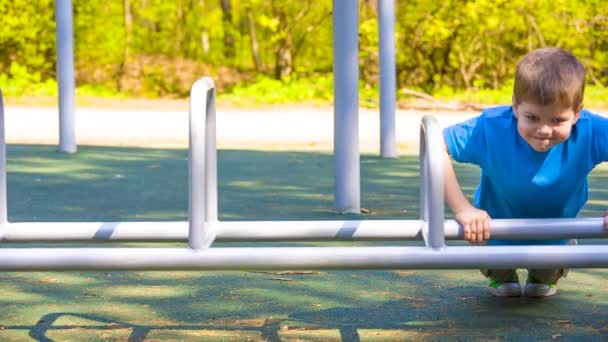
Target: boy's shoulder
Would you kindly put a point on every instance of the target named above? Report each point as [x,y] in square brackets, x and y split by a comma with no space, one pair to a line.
[588,115]
[497,112]
[500,116]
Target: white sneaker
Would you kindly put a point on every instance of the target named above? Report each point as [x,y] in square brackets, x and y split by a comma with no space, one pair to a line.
[540,290]
[507,289]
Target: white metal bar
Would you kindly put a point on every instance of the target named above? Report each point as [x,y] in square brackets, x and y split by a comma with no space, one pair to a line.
[3,199]
[388,83]
[65,75]
[47,259]
[210,156]
[201,100]
[423,204]
[347,188]
[519,229]
[432,191]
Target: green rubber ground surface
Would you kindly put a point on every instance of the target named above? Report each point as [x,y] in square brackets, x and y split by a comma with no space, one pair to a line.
[128,184]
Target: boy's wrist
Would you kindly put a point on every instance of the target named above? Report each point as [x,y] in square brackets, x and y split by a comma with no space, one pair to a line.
[461,207]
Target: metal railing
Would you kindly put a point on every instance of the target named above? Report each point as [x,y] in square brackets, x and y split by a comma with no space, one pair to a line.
[203,227]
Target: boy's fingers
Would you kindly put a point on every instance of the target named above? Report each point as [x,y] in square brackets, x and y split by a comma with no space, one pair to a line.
[467,231]
[479,231]
[473,227]
[486,230]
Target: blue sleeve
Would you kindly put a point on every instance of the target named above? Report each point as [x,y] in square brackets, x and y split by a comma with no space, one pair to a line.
[599,140]
[466,141]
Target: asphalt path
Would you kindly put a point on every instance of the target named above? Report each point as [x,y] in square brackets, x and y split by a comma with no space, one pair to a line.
[282,128]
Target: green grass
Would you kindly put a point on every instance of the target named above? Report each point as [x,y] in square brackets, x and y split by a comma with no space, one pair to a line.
[123,184]
[319,91]
[596,97]
[316,90]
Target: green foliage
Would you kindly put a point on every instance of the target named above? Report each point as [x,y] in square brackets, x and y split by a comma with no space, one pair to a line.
[596,97]
[98,91]
[27,36]
[266,90]
[483,96]
[315,90]
[449,49]
[19,81]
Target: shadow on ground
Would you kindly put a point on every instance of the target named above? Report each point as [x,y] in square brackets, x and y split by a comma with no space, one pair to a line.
[124,184]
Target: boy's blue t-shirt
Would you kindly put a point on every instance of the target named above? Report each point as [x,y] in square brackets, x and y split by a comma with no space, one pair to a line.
[518,182]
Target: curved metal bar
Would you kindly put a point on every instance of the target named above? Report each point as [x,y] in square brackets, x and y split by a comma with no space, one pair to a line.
[210,156]
[431,182]
[202,164]
[3,203]
[423,179]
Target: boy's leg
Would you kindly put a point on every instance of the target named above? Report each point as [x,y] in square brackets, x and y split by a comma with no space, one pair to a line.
[502,276]
[543,282]
[546,276]
[503,283]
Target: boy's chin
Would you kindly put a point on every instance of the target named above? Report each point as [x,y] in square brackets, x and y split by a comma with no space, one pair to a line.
[540,147]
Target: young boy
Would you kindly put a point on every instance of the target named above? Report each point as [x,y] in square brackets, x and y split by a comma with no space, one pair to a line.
[534,156]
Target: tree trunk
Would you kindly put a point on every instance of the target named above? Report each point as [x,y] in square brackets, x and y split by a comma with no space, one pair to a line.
[284,62]
[205,41]
[128,22]
[179,31]
[255,53]
[229,51]
[283,53]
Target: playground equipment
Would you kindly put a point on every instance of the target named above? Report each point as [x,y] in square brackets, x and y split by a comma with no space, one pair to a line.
[65,75]
[388,78]
[347,189]
[203,228]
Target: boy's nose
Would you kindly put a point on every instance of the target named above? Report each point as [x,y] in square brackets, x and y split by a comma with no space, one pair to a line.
[544,130]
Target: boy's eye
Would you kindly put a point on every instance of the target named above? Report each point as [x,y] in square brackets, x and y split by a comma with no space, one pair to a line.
[558,120]
[532,118]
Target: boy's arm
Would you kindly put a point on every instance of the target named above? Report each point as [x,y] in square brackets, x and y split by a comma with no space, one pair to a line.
[475,222]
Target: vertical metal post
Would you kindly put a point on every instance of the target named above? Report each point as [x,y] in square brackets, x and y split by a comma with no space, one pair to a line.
[201,100]
[388,83]
[3,203]
[65,75]
[432,183]
[346,106]
[210,157]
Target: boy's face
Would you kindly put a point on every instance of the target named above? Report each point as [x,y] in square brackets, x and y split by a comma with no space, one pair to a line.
[544,126]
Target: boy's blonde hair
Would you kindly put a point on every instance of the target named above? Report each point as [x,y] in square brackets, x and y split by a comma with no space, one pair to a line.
[547,75]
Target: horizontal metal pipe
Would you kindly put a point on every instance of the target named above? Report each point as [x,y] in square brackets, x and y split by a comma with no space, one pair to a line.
[297,258]
[515,229]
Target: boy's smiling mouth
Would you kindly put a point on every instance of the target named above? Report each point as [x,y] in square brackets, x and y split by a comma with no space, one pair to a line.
[541,144]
